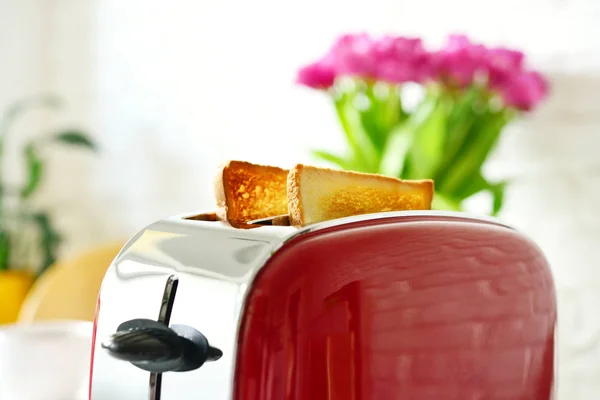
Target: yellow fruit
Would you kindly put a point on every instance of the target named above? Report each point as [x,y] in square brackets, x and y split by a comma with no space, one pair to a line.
[14,285]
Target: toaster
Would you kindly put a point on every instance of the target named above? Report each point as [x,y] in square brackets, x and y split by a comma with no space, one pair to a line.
[393,305]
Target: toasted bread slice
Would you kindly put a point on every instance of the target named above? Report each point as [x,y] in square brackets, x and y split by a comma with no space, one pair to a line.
[246,192]
[320,194]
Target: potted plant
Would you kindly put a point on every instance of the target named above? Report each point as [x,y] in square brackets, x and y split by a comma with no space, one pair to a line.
[28,238]
[415,113]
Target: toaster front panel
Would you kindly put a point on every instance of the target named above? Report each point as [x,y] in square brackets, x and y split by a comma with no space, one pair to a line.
[178,273]
[443,309]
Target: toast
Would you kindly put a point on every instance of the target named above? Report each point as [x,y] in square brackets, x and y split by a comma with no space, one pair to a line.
[245,192]
[319,194]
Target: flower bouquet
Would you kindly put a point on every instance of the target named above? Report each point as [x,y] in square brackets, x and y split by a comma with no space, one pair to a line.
[415,113]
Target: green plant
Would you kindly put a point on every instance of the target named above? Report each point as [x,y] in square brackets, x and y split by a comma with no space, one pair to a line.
[24,229]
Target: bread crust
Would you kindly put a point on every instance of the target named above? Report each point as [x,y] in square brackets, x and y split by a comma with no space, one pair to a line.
[219,191]
[295,209]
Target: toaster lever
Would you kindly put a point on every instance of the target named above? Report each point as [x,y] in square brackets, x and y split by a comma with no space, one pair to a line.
[154,347]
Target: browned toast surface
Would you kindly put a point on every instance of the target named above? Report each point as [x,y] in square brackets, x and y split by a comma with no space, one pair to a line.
[246,191]
[320,194]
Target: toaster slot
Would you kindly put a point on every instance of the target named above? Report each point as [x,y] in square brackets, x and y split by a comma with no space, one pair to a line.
[210,217]
[276,220]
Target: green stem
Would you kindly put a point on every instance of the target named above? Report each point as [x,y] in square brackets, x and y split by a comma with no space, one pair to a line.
[384,113]
[461,120]
[364,154]
[346,128]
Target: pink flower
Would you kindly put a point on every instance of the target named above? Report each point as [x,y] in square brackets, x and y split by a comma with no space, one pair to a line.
[351,55]
[459,61]
[504,58]
[399,59]
[501,63]
[391,59]
[525,90]
[457,42]
[319,75]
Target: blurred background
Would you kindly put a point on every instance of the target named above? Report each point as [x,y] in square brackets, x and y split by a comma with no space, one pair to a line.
[168,90]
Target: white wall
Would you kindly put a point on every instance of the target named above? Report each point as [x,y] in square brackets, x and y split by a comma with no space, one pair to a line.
[170,89]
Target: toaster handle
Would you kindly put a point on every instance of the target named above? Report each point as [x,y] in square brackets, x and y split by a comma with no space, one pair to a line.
[154,347]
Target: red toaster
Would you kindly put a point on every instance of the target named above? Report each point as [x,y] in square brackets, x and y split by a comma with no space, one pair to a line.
[397,305]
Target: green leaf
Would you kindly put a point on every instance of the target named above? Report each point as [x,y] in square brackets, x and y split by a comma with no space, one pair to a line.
[15,110]
[368,120]
[75,138]
[463,123]
[441,202]
[427,149]
[35,168]
[393,159]
[497,191]
[475,184]
[49,237]
[460,118]
[333,159]
[460,124]
[479,184]
[4,250]
[477,147]
[383,114]
[364,153]
[391,112]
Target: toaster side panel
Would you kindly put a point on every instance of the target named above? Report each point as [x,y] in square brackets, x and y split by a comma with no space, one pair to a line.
[412,310]
[211,265]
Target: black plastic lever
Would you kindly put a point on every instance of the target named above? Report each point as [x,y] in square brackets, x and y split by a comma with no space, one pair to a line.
[154,347]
